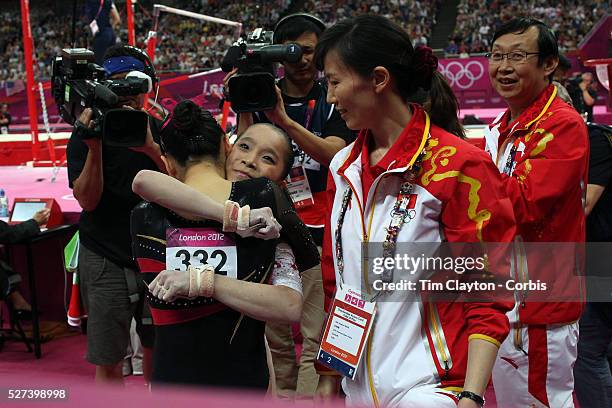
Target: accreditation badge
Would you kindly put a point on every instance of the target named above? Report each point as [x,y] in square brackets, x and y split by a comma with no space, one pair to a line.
[346,331]
[199,246]
[298,187]
[93,26]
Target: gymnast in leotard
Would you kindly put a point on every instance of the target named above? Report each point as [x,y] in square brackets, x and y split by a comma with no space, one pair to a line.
[212,330]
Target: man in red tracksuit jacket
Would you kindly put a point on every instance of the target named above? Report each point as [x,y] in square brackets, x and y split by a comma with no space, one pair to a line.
[540,146]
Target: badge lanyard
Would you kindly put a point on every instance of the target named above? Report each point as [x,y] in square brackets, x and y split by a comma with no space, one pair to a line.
[93,25]
[508,167]
[297,180]
[351,318]
[307,124]
[309,113]
[401,210]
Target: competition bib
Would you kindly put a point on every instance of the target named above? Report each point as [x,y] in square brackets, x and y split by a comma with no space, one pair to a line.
[346,331]
[195,246]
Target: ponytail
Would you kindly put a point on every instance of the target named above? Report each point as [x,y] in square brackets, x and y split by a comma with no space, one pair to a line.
[443,107]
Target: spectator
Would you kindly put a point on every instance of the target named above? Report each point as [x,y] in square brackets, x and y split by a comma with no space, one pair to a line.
[5,118]
[452,48]
[570,19]
[583,91]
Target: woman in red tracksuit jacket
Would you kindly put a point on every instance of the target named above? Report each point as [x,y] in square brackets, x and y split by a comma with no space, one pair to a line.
[419,354]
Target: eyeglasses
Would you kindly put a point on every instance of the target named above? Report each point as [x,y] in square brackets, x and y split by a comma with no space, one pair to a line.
[512,56]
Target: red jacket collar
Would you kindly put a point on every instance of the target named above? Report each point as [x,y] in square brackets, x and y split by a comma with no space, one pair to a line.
[531,114]
[403,149]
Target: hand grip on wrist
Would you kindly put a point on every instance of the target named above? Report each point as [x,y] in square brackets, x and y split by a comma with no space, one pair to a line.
[258,222]
[201,281]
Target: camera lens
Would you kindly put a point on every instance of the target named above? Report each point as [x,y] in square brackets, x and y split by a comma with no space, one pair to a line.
[252,93]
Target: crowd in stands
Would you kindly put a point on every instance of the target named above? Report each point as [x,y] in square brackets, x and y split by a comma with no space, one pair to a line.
[184,44]
[189,45]
[418,17]
[477,20]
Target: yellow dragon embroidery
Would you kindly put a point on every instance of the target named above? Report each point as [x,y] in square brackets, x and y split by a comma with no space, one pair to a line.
[479,217]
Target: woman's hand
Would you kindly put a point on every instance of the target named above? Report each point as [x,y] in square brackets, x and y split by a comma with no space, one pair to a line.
[278,115]
[169,285]
[262,224]
[247,222]
[328,389]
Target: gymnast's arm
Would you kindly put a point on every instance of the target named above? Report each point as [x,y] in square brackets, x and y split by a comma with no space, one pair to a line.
[170,193]
[294,232]
[281,301]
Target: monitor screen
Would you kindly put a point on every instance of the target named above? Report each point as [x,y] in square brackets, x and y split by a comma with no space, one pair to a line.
[24,211]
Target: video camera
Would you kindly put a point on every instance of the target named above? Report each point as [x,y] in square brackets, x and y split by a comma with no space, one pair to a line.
[78,83]
[252,89]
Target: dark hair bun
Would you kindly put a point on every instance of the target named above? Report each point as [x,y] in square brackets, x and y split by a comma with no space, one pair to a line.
[192,132]
[186,115]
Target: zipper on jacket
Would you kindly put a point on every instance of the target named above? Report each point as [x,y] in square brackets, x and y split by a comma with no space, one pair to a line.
[369,366]
[518,340]
[440,345]
[369,342]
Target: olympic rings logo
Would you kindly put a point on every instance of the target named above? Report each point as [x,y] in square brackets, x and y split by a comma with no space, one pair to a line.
[462,76]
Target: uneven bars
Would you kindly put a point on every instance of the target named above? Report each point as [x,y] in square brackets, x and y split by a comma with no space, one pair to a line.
[188,76]
[199,16]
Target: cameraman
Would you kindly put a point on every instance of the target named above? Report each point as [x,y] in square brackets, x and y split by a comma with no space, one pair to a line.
[318,133]
[101,178]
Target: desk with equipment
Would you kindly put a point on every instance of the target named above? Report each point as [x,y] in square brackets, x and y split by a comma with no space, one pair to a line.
[25,208]
[41,257]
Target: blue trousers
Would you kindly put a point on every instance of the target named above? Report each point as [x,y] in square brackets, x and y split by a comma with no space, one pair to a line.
[593,378]
[103,39]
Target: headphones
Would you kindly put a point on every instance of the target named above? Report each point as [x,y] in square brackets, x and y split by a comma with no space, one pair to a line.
[291,17]
[149,69]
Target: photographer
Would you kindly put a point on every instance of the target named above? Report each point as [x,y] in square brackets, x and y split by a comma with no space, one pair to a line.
[318,133]
[101,178]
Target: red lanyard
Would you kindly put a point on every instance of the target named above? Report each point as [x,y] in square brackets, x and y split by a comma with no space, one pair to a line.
[309,113]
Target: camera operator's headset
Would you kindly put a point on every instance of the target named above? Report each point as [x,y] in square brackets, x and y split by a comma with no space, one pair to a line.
[292,17]
[149,69]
